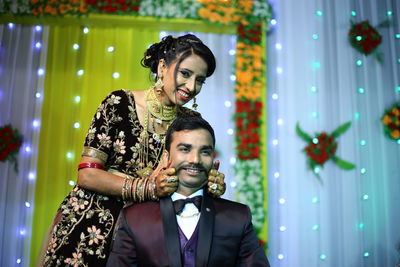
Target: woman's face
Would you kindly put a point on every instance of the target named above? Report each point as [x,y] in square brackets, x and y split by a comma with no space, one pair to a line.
[190,76]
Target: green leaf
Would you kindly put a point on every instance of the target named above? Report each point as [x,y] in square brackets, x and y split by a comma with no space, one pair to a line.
[384,24]
[343,164]
[341,129]
[302,134]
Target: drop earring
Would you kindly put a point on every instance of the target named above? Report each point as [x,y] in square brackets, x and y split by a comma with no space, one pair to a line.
[159,84]
[194,106]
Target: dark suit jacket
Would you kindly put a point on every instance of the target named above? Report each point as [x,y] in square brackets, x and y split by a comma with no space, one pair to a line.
[147,235]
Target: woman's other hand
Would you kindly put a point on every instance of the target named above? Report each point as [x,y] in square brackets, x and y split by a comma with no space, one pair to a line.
[216,184]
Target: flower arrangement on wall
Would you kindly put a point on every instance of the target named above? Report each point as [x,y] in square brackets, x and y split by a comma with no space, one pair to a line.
[322,147]
[10,143]
[365,38]
[391,122]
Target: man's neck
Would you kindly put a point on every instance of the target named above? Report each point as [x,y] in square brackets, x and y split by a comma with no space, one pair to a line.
[186,191]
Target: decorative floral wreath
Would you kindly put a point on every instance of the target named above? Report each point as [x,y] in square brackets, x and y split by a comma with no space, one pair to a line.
[391,122]
[323,147]
[10,142]
[366,38]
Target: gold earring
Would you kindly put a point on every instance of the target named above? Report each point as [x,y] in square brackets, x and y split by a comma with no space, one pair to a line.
[159,84]
[194,104]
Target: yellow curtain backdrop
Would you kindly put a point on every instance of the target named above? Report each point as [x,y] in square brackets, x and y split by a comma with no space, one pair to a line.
[79,74]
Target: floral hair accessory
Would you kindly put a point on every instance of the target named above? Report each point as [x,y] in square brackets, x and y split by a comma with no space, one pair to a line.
[322,147]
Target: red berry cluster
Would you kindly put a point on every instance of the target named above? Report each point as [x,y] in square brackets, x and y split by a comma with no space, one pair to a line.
[10,142]
[250,33]
[113,6]
[364,37]
[248,115]
[323,149]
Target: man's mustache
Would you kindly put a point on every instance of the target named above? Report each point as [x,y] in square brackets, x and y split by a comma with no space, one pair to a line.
[191,166]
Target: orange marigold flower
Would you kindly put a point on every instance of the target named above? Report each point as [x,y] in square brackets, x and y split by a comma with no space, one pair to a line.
[50,10]
[396,111]
[247,5]
[244,76]
[257,63]
[395,134]
[386,120]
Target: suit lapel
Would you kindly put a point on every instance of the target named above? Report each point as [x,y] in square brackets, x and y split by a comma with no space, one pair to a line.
[171,232]
[206,227]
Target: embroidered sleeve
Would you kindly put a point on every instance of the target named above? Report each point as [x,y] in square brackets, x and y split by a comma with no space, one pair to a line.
[103,133]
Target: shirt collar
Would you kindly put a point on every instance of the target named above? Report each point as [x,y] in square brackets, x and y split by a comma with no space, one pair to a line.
[176,196]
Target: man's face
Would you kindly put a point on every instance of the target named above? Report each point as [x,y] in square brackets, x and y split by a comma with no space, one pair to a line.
[191,154]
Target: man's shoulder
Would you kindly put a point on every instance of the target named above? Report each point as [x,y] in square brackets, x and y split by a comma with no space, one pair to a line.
[222,203]
[143,209]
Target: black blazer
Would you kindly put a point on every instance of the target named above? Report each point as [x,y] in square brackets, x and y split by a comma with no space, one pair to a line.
[147,235]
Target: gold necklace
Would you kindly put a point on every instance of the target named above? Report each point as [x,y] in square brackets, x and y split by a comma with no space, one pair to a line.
[157,109]
[160,113]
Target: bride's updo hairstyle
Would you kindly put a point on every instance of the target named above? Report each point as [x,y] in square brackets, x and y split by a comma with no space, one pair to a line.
[171,49]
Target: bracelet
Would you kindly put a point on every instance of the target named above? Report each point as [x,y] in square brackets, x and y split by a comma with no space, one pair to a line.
[128,180]
[90,165]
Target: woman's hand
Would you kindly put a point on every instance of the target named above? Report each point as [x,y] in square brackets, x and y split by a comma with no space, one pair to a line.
[165,177]
[216,184]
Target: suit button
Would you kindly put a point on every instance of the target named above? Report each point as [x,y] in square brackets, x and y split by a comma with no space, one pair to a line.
[190,250]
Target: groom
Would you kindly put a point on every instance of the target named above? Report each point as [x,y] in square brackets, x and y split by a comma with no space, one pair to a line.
[205,231]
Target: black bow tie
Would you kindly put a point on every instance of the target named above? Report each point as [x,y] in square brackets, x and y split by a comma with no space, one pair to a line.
[180,203]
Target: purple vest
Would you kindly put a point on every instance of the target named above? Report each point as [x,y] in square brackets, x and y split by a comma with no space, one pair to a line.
[188,247]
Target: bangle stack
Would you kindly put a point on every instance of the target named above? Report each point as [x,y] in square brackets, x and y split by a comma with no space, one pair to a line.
[138,190]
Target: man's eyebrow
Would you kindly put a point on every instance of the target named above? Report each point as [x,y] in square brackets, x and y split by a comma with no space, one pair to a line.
[184,144]
[207,147]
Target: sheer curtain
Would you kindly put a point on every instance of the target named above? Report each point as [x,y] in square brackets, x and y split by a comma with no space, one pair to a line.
[22,55]
[317,79]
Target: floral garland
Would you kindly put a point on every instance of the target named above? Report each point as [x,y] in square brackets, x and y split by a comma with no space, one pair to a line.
[391,122]
[248,173]
[247,117]
[10,143]
[251,19]
[323,147]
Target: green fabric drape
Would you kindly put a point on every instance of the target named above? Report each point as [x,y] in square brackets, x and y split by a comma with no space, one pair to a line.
[60,142]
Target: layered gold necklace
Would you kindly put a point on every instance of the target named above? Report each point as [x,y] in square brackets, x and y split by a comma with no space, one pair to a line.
[159,113]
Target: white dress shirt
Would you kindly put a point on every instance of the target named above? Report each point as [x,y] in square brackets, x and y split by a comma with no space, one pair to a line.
[190,215]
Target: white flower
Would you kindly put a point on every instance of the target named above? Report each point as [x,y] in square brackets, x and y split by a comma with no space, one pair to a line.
[94,235]
[119,147]
[113,100]
[104,139]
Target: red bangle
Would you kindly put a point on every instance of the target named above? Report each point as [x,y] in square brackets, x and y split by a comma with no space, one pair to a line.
[90,165]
